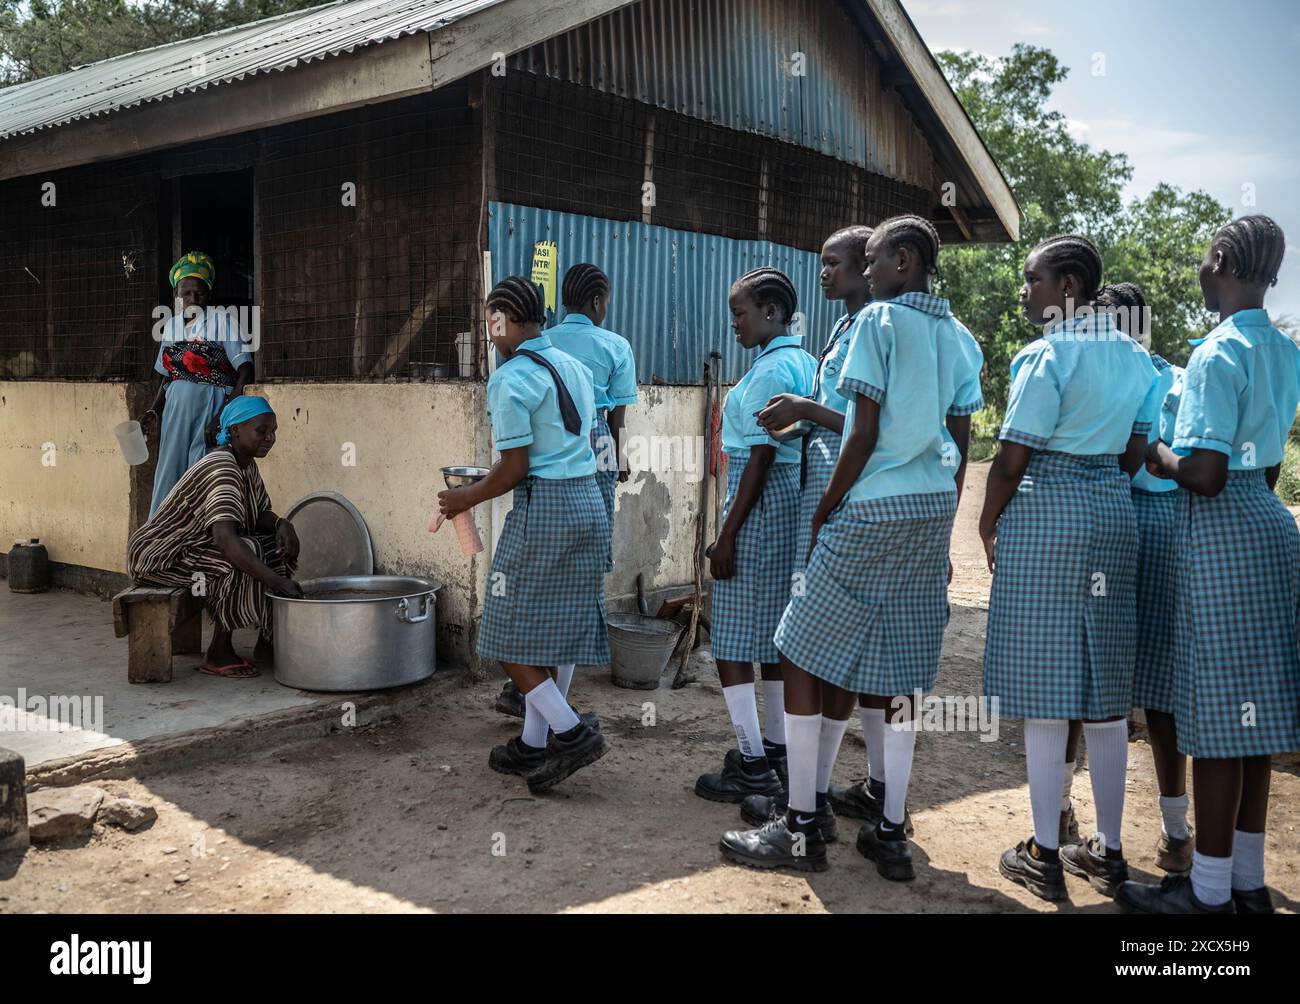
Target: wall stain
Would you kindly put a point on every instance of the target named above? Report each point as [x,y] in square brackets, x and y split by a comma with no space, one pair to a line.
[641,525]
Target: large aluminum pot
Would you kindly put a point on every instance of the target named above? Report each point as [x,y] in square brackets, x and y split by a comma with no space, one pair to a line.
[355,632]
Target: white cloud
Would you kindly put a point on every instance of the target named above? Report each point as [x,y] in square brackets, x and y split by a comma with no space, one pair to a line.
[1079,130]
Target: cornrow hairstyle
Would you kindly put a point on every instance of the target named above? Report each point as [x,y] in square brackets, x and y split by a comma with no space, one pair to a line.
[769,285]
[521,298]
[918,234]
[855,237]
[1073,255]
[1126,296]
[581,283]
[1257,245]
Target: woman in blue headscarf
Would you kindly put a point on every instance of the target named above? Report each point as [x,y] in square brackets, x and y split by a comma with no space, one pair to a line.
[215,532]
[204,364]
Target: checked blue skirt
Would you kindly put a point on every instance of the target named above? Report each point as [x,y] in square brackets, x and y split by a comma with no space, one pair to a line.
[1158,532]
[1062,625]
[747,607]
[1237,668]
[545,603]
[606,451]
[823,450]
[874,602]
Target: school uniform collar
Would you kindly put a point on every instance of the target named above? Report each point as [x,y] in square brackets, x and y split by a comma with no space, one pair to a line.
[780,342]
[1094,326]
[536,344]
[927,303]
[577,318]
[1253,318]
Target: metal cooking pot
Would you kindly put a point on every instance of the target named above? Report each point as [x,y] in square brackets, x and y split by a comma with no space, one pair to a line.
[379,634]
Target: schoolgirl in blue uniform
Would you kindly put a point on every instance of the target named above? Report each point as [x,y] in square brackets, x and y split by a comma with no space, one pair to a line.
[1237,658]
[1061,538]
[870,619]
[1156,504]
[753,559]
[842,278]
[608,357]
[545,603]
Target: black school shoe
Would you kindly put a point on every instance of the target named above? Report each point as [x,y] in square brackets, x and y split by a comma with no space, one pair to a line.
[1088,860]
[759,809]
[510,701]
[893,858]
[516,757]
[1252,900]
[569,751]
[773,845]
[1173,855]
[1174,894]
[857,802]
[1045,879]
[734,784]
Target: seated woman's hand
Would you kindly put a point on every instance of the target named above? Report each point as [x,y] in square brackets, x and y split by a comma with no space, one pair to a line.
[289,588]
[286,540]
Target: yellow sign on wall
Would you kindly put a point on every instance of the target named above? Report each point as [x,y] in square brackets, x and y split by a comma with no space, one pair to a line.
[546,261]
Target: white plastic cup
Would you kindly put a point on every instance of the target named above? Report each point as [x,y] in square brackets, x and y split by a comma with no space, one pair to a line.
[130,437]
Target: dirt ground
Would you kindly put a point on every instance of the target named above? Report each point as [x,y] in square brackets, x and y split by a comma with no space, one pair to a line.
[408,817]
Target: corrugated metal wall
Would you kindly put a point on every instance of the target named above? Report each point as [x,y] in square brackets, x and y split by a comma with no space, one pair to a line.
[734,63]
[670,287]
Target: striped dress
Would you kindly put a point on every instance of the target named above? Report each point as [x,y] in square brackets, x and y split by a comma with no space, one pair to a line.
[175,547]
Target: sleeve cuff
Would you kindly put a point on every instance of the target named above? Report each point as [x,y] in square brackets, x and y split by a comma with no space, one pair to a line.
[1023,438]
[966,409]
[514,442]
[624,400]
[759,439]
[1142,428]
[1185,444]
[863,388]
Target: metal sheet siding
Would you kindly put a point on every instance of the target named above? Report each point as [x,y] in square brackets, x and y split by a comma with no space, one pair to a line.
[669,296]
[733,63]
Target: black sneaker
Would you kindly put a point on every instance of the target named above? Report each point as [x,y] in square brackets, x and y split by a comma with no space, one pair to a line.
[1088,860]
[759,809]
[773,845]
[893,858]
[1174,894]
[1174,855]
[510,701]
[570,751]
[735,783]
[857,802]
[516,757]
[1252,900]
[1069,831]
[1045,879]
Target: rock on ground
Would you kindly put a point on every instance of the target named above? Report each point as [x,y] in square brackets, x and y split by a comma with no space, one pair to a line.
[56,813]
[127,813]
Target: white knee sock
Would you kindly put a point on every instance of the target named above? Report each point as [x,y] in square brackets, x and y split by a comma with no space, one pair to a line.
[1173,816]
[563,678]
[774,711]
[1045,740]
[1211,879]
[742,705]
[535,727]
[1247,861]
[828,748]
[1069,783]
[803,733]
[900,743]
[1108,768]
[873,734]
[552,706]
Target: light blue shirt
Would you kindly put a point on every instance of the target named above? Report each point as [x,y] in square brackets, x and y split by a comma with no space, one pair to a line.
[825,389]
[1168,389]
[213,325]
[605,353]
[920,364]
[1084,388]
[1240,392]
[523,405]
[781,368]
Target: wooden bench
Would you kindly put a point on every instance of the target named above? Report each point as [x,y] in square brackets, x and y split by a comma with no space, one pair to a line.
[161,621]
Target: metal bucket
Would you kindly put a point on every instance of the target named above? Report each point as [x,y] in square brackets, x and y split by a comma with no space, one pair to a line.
[380,633]
[640,647]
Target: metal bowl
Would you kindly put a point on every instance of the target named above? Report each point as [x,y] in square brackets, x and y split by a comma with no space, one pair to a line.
[459,477]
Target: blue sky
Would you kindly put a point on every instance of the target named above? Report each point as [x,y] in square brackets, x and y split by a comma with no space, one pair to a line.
[1197,93]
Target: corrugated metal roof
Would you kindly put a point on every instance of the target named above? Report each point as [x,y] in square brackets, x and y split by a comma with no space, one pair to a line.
[277,43]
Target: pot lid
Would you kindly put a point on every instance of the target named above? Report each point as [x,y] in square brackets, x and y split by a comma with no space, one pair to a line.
[334,538]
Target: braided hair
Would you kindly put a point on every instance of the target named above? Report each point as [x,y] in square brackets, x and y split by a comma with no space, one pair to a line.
[769,285]
[1256,245]
[855,237]
[1126,299]
[916,233]
[521,298]
[581,283]
[1071,254]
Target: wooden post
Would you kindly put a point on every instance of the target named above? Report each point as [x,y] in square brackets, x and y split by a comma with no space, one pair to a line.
[150,641]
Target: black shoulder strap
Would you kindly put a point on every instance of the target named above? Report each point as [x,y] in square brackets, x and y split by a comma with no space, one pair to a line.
[568,410]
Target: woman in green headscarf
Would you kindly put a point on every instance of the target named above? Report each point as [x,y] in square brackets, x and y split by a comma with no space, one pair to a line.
[203,364]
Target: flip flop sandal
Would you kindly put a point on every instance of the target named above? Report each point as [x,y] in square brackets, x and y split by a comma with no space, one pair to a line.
[224,671]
